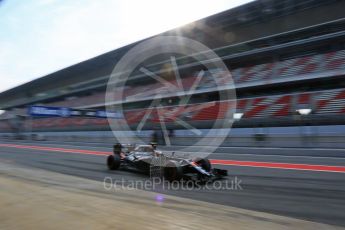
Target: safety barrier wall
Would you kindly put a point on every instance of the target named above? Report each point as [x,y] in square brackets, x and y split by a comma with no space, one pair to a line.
[299,137]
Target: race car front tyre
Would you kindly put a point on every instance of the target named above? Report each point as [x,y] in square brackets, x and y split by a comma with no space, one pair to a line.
[114,162]
[173,171]
[203,163]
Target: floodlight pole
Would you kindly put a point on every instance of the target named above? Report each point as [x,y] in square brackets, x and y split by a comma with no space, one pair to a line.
[302,115]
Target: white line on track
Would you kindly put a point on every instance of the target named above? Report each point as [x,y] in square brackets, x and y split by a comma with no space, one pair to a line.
[282,156]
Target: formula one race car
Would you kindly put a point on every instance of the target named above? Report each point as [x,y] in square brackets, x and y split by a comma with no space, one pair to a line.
[147,159]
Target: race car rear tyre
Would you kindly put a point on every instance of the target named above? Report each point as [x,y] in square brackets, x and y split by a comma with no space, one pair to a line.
[173,171]
[203,163]
[114,162]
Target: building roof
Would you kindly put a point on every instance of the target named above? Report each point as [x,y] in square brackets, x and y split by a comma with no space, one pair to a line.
[236,25]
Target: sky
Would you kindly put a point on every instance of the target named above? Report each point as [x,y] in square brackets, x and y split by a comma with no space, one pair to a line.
[38,37]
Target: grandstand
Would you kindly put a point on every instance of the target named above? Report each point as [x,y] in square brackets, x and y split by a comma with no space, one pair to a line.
[284,56]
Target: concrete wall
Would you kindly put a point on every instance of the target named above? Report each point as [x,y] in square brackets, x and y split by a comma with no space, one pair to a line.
[299,137]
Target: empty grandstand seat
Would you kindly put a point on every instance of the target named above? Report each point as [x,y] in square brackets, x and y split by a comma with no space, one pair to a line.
[322,103]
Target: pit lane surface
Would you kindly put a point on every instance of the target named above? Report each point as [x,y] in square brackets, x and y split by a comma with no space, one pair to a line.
[305,194]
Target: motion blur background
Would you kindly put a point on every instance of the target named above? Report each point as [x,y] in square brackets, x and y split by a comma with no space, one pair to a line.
[286,145]
[287,59]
